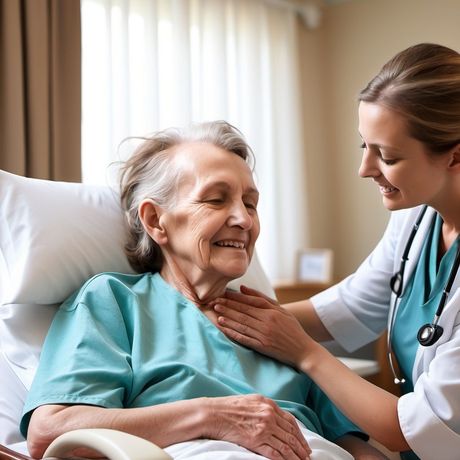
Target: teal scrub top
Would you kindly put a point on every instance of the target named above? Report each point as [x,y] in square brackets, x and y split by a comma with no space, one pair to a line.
[419,303]
[126,341]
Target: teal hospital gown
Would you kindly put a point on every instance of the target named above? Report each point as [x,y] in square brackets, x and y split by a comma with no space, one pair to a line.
[126,341]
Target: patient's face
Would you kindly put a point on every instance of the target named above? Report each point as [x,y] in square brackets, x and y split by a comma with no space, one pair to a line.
[213,226]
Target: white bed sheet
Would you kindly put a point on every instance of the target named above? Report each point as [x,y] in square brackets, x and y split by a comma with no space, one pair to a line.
[207,449]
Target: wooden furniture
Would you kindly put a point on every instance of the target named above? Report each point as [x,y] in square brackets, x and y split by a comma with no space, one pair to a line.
[376,371]
[291,291]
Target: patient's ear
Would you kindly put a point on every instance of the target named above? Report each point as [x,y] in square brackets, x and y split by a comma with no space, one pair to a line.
[149,214]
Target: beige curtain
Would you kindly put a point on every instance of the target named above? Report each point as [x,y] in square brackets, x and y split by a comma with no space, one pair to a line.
[40,88]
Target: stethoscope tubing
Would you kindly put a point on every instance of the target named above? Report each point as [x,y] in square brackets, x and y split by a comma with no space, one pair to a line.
[429,333]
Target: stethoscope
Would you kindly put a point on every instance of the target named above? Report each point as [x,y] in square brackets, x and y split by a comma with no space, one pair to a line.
[429,333]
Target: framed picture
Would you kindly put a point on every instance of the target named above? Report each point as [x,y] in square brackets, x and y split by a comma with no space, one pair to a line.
[314,265]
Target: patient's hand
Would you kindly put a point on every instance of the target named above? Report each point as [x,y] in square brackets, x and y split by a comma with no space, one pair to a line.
[260,323]
[258,424]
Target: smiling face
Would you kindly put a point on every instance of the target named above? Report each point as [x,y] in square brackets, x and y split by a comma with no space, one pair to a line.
[405,171]
[212,226]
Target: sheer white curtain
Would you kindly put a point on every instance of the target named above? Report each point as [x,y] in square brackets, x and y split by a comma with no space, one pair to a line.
[148,65]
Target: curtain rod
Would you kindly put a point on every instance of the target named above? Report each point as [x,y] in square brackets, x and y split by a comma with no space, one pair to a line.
[307,10]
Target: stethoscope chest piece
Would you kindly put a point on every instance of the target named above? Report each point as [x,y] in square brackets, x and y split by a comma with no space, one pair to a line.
[429,334]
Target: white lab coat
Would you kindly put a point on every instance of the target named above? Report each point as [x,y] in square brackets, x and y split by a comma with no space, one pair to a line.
[357,310]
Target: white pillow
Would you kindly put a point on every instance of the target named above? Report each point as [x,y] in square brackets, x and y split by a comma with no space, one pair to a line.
[54,236]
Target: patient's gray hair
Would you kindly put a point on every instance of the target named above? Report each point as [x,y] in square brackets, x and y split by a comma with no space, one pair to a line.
[150,173]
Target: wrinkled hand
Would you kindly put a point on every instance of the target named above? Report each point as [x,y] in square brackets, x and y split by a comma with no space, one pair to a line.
[258,322]
[258,424]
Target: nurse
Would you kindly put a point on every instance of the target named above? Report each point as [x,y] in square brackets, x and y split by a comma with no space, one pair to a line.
[409,121]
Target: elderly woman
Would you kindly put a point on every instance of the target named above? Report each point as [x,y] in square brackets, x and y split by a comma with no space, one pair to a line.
[142,353]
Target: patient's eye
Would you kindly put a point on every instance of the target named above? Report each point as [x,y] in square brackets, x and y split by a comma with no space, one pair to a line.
[214,200]
[250,203]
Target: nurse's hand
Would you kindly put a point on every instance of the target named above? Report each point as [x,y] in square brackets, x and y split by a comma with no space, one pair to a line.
[258,322]
[258,424]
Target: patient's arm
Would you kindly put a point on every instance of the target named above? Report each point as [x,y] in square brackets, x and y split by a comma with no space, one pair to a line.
[251,421]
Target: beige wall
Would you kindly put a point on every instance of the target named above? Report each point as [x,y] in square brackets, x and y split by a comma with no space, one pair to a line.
[354,39]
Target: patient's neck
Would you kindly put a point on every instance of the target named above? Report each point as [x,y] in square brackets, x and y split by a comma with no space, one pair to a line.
[201,290]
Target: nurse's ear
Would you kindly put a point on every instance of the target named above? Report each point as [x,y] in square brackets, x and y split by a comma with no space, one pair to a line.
[150,216]
[454,164]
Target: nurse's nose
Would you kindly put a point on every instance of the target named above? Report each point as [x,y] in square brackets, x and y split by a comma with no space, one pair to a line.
[369,165]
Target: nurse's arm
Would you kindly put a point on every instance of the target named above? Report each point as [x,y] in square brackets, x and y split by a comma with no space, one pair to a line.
[308,318]
[373,409]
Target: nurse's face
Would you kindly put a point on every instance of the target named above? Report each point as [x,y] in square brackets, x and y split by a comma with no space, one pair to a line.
[404,170]
[213,226]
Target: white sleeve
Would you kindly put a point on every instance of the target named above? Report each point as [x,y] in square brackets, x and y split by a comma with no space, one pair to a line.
[355,311]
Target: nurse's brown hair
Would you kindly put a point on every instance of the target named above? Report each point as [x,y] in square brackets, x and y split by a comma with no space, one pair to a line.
[422,83]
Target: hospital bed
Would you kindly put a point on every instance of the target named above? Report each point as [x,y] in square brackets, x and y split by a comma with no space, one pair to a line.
[53,237]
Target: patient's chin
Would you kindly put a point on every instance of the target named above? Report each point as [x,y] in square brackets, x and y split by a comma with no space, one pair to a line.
[230,264]
[234,270]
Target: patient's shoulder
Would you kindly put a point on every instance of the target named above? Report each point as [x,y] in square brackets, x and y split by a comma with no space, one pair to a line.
[112,280]
[105,289]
